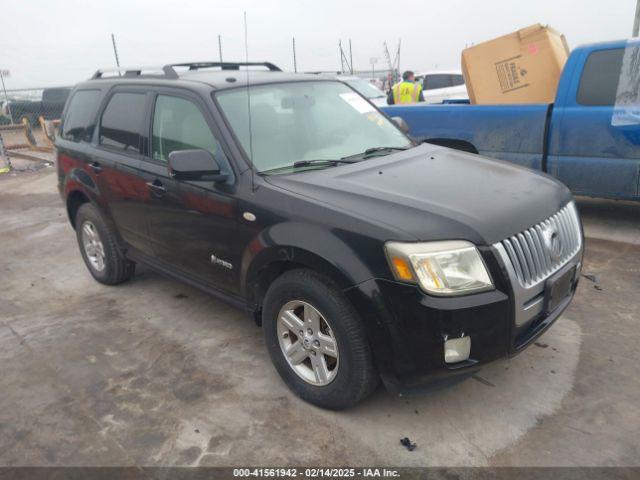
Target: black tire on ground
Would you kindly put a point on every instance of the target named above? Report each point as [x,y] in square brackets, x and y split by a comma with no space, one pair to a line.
[117,268]
[356,377]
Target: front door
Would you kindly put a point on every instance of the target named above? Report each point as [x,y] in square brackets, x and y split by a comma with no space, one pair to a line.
[594,150]
[192,224]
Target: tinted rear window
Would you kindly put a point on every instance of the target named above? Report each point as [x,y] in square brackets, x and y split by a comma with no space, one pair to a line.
[432,82]
[457,80]
[599,82]
[122,122]
[80,119]
[55,94]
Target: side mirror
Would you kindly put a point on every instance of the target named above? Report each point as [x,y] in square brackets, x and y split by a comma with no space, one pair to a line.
[194,165]
[402,125]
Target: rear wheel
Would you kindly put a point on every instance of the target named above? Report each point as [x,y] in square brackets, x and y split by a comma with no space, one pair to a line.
[316,341]
[99,249]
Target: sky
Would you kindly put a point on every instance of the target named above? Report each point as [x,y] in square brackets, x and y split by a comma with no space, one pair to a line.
[52,42]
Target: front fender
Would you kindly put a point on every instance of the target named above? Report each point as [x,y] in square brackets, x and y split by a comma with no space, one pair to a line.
[318,248]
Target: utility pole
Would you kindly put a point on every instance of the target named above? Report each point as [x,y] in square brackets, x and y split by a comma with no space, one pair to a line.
[394,65]
[295,65]
[220,47]
[636,22]
[350,58]
[398,55]
[343,58]
[115,50]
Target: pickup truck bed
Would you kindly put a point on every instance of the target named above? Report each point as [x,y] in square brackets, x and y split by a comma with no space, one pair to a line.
[517,132]
[587,138]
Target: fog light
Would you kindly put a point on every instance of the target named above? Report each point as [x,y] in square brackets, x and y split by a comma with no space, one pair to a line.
[457,349]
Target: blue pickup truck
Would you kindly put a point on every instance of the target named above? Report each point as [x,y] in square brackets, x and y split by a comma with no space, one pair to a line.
[586,138]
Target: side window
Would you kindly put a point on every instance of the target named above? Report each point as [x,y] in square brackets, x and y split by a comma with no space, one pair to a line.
[122,122]
[55,94]
[80,118]
[599,81]
[456,80]
[178,124]
[432,82]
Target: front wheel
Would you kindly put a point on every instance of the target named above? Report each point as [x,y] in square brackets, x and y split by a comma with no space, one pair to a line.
[316,341]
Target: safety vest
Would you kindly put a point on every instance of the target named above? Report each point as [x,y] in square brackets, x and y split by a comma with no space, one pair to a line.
[406,92]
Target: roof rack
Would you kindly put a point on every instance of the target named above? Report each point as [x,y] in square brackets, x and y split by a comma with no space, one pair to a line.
[226,65]
[169,72]
[160,72]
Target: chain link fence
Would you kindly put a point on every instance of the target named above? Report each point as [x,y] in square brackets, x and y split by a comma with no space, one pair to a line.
[16,106]
[28,123]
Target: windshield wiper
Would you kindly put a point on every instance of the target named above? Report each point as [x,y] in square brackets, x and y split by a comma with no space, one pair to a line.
[310,163]
[374,152]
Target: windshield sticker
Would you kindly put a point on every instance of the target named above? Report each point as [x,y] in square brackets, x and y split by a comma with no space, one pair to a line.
[376,118]
[357,102]
[626,110]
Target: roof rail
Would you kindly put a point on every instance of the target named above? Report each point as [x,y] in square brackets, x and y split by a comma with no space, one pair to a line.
[169,72]
[225,65]
[162,72]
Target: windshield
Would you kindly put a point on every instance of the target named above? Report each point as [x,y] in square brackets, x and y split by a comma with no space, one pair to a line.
[297,121]
[365,88]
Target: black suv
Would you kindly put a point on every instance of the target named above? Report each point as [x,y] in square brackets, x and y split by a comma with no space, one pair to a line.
[362,254]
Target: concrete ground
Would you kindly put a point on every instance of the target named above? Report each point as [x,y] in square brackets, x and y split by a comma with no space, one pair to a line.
[154,372]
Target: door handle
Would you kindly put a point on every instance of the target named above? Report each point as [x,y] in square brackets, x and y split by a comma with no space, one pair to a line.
[156,187]
[95,166]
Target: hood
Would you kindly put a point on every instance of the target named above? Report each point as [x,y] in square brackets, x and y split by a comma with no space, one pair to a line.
[434,193]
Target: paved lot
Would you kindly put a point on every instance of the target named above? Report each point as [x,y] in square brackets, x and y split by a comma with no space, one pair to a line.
[156,373]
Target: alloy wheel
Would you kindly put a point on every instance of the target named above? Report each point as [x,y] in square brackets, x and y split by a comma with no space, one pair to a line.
[93,247]
[308,343]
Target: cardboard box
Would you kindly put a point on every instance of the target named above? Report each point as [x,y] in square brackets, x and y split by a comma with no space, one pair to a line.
[522,67]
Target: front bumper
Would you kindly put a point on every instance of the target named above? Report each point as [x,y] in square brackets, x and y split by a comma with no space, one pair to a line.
[407,328]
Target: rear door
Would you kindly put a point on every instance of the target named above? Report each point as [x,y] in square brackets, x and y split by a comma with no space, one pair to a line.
[116,161]
[435,87]
[458,88]
[192,224]
[591,152]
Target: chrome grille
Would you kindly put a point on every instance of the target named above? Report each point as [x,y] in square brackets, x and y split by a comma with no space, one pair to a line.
[535,254]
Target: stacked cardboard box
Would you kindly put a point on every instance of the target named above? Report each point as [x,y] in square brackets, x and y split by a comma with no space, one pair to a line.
[522,67]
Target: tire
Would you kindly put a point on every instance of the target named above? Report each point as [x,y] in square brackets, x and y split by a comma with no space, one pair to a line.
[114,267]
[350,376]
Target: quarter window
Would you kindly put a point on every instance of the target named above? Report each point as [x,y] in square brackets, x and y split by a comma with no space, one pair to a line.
[122,122]
[178,124]
[80,118]
[599,81]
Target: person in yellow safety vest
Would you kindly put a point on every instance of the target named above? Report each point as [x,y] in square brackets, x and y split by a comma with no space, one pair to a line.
[406,91]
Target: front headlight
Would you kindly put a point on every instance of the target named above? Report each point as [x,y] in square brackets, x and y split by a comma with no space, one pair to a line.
[452,267]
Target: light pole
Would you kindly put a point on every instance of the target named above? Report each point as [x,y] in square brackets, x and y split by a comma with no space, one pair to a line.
[636,22]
